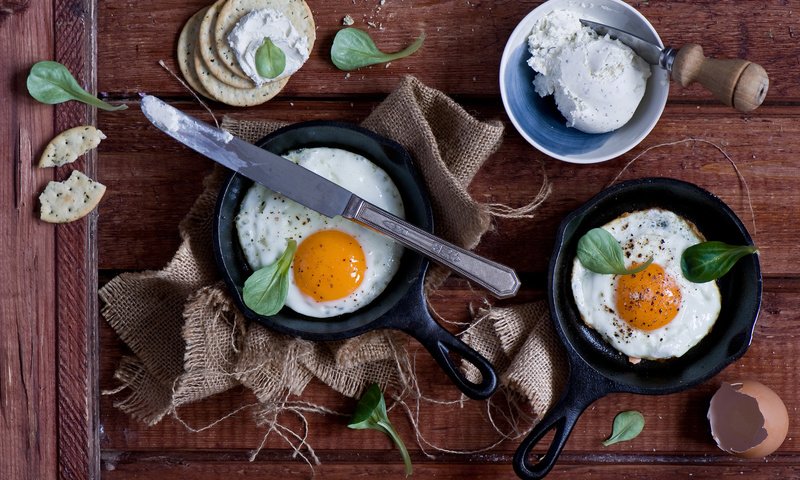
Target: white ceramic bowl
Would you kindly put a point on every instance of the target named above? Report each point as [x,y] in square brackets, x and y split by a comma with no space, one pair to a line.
[537,118]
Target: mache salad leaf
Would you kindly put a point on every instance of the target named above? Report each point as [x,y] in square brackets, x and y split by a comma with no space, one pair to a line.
[708,261]
[627,426]
[353,48]
[371,414]
[266,289]
[51,82]
[270,59]
[599,252]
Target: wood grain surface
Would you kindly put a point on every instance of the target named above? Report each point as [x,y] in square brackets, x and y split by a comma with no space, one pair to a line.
[56,352]
[48,313]
[152,183]
[76,266]
[28,425]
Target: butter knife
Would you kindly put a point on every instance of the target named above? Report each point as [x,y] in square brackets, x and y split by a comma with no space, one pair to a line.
[738,83]
[320,194]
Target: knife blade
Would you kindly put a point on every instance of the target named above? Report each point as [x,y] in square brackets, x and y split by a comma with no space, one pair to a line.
[320,194]
[738,83]
[650,52]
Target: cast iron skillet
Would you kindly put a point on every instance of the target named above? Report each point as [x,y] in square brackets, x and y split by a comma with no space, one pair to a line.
[596,368]
[402,305]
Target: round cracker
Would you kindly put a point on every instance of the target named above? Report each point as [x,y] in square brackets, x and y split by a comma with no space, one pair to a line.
[237,97]
[205,45]
[225,53]
[70,144]
[187,42]
[297,11]
[67,201]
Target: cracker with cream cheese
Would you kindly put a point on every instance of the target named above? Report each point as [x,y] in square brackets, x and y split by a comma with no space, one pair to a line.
[70,144]
[232,11]
[67,201]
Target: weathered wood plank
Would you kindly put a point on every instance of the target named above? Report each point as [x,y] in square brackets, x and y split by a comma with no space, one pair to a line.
[28,423]
[121,466]
[153,181]
[76,264]
[462,51]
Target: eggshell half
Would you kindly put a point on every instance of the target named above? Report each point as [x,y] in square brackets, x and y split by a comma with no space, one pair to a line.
[748,419]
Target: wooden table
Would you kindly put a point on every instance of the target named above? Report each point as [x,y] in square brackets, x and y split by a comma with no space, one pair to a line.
[56,353]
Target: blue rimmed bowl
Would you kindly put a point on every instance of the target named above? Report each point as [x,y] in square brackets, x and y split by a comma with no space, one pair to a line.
[538,120]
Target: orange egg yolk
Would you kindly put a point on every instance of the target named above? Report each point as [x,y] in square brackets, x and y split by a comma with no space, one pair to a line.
[649,299]
[328,265]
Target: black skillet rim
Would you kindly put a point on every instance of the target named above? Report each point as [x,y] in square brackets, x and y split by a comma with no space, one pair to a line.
[401,290]
[586,340]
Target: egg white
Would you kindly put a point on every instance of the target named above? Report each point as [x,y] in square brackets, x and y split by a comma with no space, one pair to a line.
[267,220]
[664,236]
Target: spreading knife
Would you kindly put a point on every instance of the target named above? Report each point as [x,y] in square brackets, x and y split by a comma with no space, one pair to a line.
[738,83]
[321,195]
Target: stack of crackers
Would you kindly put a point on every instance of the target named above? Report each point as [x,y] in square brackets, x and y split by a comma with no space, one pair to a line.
[211,67]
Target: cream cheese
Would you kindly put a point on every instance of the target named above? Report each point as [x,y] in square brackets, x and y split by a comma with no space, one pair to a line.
[249,33]
[162,113]
[597,82]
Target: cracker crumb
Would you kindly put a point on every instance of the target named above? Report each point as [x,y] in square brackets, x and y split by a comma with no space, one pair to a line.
[347,76]
[348,20]
[387,64]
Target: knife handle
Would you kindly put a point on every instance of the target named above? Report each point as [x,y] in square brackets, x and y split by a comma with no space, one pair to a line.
[500,280]
[738,83]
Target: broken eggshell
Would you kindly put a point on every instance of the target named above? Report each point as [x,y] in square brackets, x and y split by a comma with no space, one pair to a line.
[748,419]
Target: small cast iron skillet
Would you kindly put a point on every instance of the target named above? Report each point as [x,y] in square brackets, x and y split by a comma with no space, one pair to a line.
[596,368]
[402,305]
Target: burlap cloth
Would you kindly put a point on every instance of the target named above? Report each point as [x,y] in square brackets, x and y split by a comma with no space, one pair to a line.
[189,342]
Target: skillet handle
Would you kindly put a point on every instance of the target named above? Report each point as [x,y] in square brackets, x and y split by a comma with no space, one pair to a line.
[443,345]
[414,319]
[581,392]
[562,419]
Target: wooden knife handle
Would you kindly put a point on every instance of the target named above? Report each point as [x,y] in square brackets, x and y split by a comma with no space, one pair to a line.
[738,83]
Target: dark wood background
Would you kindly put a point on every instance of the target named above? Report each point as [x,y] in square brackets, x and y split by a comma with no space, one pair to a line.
[47,340]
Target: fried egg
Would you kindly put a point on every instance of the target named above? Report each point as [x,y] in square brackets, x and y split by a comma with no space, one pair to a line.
[339,266]
[656,313]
